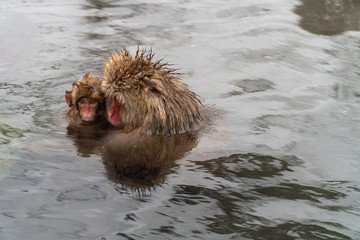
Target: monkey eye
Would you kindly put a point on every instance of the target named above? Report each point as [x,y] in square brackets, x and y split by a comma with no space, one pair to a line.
[81,101]
[93,101]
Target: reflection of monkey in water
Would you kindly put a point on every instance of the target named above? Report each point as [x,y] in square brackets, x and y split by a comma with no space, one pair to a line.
[86,101]
[142,162]
[147,96]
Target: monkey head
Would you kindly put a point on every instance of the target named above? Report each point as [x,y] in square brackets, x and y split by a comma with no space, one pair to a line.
[85,100]
[147,96]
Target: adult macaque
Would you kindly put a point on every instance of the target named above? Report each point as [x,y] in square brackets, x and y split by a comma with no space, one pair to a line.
[86,101]
[147,96]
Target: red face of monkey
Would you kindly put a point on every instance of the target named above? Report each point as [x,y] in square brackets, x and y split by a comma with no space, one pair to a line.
[88,109]
[114,111]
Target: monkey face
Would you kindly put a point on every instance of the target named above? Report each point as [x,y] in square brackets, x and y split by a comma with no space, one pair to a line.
[86,101]
[88,109]
[114,111]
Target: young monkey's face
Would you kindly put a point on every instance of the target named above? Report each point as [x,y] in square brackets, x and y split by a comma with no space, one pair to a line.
[88,109]
[85,101]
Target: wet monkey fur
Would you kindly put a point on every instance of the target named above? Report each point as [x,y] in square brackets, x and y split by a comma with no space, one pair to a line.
[147,96]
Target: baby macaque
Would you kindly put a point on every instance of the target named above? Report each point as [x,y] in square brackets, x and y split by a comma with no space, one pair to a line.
[86,101]
[146,96]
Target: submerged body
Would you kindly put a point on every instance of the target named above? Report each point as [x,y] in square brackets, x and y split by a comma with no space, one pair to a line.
[147,96]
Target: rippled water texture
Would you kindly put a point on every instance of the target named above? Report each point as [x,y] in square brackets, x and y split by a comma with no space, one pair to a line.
[280,162]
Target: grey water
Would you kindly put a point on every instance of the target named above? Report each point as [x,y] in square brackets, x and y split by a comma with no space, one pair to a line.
[281,159]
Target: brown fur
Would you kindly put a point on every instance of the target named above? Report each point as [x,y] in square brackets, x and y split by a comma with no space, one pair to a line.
[156,101]
[89,87]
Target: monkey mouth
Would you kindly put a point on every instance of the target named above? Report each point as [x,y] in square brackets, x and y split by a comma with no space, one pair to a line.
[88,119]
[115,119]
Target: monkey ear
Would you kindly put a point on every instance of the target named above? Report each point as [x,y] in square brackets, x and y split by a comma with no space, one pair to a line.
[68,97]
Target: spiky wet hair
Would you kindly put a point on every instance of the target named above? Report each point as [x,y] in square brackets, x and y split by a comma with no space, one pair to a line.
[156,102]
[87,86]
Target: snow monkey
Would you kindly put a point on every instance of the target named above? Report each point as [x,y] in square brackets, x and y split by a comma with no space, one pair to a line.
[147,96]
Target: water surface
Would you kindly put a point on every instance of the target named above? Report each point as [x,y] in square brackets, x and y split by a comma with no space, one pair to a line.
[282,161]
